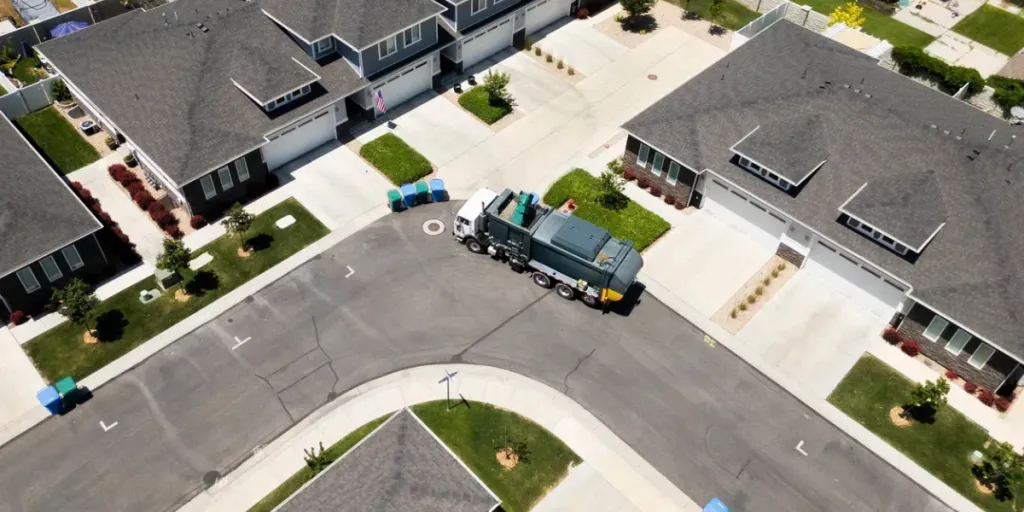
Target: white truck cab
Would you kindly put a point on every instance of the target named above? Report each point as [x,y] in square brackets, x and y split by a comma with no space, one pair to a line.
[469,221]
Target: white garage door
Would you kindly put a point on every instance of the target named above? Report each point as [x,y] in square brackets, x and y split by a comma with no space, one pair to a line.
[855,279]
[745,214]
[486,43]
[404,85]
[544,13]
[299,139]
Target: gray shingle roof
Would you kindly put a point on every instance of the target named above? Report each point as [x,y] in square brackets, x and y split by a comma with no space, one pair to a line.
[792,148]
[400,468]
[359,23]
[907,206]
[168,86]
[39,214]
[267,76]
[880,126]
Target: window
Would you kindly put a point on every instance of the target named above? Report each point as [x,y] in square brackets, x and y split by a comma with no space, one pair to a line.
[305,90]
[981,356]
[935,328]
[659,161]
[225,178]
[324,45]
[72,257]
[641,157]
[876,235]
[387,47]
[50,268]
[477,6]
[241,169]
[755,166]
[957,342]
[28,279]
[673,173]
[208,189]
[744,162]
[412,35]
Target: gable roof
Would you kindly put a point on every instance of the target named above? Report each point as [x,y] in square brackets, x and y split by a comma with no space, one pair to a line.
[359,23]
[792,148]
[880,126]
[169,86]
[399,467]
[39,213]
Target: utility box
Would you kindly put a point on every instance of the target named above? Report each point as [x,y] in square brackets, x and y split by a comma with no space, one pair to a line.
[166,278]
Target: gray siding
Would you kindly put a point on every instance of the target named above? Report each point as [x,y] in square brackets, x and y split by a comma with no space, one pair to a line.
[450,9]
[466,19]
[684,185]
[348,53]
[18,299]
[305,47]
[372,65]
[212,208]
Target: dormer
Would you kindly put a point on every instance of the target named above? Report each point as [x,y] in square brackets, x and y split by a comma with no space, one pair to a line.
[901,213]
[322,47]
[272,83]
[784,153]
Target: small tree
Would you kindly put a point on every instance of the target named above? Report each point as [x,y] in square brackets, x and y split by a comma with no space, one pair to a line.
[316,460]
[175,257]
[1001,468]
[77,302]
[611,187]
[715,10]
[496,85]
[60,91]
[636,8]
[850,13]
[927,398]
[238,221]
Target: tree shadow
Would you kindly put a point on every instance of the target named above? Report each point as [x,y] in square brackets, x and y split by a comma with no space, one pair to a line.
[204,281]
[614,201]
[1001,487]
[924,414]
[259,242]
[110,325]
[642,23]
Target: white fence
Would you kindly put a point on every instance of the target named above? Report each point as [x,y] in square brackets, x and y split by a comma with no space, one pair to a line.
[28,99]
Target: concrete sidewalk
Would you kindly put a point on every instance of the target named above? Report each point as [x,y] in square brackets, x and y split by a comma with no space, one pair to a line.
[611,468]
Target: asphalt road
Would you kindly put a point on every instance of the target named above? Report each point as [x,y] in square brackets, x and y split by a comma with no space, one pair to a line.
[710,423]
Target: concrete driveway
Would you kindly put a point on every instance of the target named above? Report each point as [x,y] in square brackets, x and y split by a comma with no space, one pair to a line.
[704,261]
[812,333]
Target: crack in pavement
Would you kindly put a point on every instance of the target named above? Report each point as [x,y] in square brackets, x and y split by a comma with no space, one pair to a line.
[457,358]
[565,381]
[330,361]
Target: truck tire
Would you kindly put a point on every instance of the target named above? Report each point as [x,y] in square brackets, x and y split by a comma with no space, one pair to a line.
[475,246]
[564,291]
[590,300]
[542,280]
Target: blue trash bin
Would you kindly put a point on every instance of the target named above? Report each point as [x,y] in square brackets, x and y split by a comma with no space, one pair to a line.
[50,398]
[437,190]
[409,194]
[715,505]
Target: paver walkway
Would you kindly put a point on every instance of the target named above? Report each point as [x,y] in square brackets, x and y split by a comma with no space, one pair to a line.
[611,470]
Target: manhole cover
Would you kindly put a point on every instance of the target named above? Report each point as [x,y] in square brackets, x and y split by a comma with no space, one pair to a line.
[433,227]
[211,478]
[652,77]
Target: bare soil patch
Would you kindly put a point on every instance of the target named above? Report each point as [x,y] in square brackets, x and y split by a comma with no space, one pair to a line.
[740,299]
[181,296]
[896,416]
[507,458]
[88,338]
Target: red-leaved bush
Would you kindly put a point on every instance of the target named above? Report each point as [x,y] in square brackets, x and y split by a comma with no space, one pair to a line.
[1002,404]
[891,335]
[583,13]
[123,237]
[910,348]
[680,206]
[628,175]
[118,172]
[986,397]
[173,230]
[970,387]
[77,186]
[655,191]
[670,199]
[134,187]
[143,198]
[18,317]
[951,375]
[642,183]
[105,218]
[197,221]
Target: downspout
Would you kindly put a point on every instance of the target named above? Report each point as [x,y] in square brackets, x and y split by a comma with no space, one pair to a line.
[102,252]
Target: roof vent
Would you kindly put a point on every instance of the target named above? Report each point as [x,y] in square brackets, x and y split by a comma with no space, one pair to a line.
[846,86]
[945,132]
[867,95]
[202,28]
[856,91]
[959,137]
[933,126]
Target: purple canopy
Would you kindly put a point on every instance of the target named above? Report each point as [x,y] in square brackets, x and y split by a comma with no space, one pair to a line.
[66,28]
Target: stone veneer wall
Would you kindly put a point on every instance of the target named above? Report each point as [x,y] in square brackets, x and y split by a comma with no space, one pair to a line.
[680,191]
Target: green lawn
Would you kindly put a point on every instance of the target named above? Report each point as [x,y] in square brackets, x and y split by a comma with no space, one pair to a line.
[995,28]
[27,70]
[477,101]
[943,448]
[878,24]
[399,162]
[304,475]
[124,323]
[476,431]
[734,14]
[58,140]
[632,221]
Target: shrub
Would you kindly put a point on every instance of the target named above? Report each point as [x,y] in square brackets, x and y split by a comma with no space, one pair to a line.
[118,172]
[537,51]
[628,175]
[60,91]
[759,291]
[680,206]
[197,221]
[1002,404]
[951,375]
[156,210]
[642,183]
[970,387]
[86,195]
[742,306]
[135,187]
[105,218]
[496,85]
[528,45]
[18,317]
[583,13]
[733,313]
[780,267]
[655,191]
[775,272]
[910,348]
[670,200]
[751,299]
[1008,92]
[561,64]
[571,71]
[77,186]
[914,60]
[173,230]
[926,399]
[766,281]
[548,58]
[891,335]
[143,199]
[637,7]
[986,397]
[96,207]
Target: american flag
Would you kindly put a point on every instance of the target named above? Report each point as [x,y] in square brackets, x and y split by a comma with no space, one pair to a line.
[379,99]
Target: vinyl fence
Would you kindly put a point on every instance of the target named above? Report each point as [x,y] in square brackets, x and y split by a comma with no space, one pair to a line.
[28,99]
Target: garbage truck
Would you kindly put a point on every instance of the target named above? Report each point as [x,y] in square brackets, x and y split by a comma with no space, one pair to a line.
[577,258]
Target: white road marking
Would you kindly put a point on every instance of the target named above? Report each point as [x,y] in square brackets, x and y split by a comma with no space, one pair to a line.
[800,449]
[239,342]
[350,272]
[106,428]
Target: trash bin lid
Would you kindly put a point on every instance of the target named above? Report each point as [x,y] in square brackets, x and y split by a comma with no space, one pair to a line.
[408,189]
[65,385]
[436,184]
[421,187]
[394,195]
[48,395]
[715,505]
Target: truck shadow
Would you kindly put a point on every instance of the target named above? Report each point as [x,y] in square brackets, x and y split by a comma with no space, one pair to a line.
[629,301]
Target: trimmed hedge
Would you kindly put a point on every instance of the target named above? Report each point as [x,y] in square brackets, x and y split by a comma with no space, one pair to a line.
[1009,92]
[914,60]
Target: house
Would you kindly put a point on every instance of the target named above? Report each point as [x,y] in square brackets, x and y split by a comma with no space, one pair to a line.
[900,196]
[401,465]
[49,234]
[214,95]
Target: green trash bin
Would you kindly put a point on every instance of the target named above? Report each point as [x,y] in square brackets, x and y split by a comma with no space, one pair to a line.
[422,193]
[395,200]
[66,386]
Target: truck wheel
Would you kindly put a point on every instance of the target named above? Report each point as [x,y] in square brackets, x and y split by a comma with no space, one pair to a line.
[564,291]
[590,300]
[541,280]
[474,246]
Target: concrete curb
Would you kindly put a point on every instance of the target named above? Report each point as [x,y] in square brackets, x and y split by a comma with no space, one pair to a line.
[617,463]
